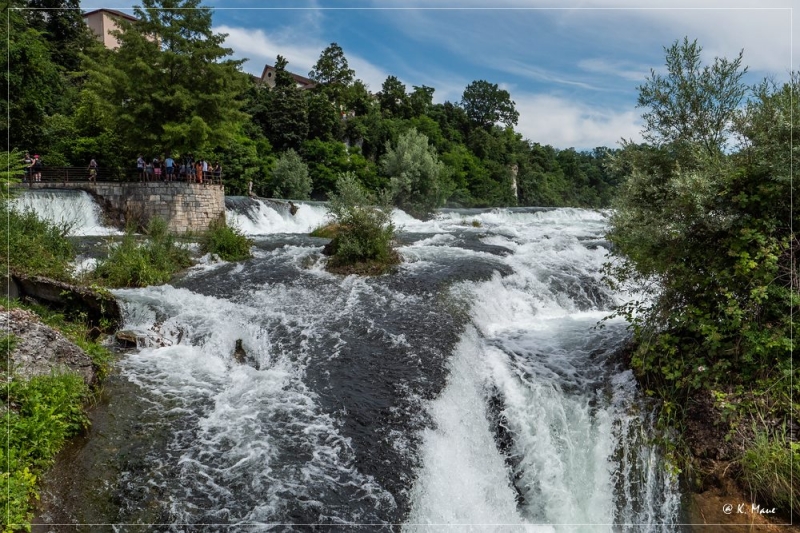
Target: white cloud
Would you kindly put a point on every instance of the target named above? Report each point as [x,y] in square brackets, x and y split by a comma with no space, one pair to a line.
[564,123]
[301,50]
[623,69]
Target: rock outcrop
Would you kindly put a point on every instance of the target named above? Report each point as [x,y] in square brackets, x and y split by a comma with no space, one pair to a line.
[40,349]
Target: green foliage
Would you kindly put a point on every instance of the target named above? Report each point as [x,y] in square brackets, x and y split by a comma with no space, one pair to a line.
[178,94]
[692,103]
[36,247]
[290,177]
[486,104]
[706,240]
[286,116]
[419,182]
[767,469]
[332,73]
[392,98]
[228,243]
[131,263]
[45,411]
[365,232]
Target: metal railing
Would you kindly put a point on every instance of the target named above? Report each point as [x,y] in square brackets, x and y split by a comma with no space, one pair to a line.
[82,174]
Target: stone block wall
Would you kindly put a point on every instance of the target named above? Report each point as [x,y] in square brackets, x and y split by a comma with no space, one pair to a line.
[185,206]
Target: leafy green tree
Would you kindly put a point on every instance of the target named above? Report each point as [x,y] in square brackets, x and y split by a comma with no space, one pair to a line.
[34,83]
[326,161]
[290,177]
[692,103]
[420,100]
[324,122]
[61,22]
[169,86]
[287,111]
[356,98]
[710,238]
[392,98]
[418,180]
[486,104]
[332,73]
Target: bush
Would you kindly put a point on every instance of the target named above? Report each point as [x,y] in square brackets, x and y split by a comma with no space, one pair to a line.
[290,178]
[363,242]
[226,242]
[153,262]
[36,247]
[45,411]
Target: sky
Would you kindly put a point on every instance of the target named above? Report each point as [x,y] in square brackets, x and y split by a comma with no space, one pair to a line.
[572,67]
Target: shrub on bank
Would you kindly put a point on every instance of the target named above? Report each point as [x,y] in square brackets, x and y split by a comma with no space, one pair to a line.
[226,242]
[36,247]
[132,263]
[44,412]
[363,240]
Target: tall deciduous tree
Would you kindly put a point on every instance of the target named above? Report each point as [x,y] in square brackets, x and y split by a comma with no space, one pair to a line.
[290,177]
[486,105]
[419,182]
[392,98]
[169,84]
[692,103]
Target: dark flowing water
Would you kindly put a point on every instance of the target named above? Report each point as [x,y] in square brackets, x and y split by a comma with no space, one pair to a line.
[470,388]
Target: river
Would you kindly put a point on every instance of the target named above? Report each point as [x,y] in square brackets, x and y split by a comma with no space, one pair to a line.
[473,388]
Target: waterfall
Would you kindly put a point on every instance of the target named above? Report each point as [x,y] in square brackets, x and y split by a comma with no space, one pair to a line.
[73,210]
[470,389]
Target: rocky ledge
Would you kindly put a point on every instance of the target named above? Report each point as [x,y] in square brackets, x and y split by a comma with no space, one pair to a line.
[40,349]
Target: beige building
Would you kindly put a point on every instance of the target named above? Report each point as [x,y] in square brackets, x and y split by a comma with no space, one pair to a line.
[268,78]
[102,21]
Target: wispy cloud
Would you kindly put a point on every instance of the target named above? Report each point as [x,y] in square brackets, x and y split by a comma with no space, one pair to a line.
[561,122]
[623,69]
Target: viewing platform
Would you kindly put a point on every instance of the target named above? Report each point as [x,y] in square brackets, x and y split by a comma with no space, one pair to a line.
[186,207]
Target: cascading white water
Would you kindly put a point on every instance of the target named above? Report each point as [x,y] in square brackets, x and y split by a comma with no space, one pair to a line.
[73,210]
[367,401]
[260,217]
[578,453]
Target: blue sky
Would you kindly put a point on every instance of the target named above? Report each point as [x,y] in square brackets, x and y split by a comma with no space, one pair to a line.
[571,67]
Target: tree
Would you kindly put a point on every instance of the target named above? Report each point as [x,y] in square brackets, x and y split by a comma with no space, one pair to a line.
[290,177]
[419,182]
[169,86]
[61,21]
[420,100]
[392,98]
[331,72]
[486,105]
[692,103]
[286,111]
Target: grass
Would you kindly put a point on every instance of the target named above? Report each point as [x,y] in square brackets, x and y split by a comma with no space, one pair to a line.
[132,263]
[327,231]
[226,242]
[36,247]
[767,470]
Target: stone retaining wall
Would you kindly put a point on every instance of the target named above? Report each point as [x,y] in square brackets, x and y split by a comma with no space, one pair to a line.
[185,206]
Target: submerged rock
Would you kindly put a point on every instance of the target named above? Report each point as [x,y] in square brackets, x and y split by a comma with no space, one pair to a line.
[40,349]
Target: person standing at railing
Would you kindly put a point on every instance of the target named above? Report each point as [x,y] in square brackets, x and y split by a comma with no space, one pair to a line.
[140,167]
[93,170]
[36,168]
[198,170]
[205,169]
[28,160]
[156,169]
[216,172]
[169,165]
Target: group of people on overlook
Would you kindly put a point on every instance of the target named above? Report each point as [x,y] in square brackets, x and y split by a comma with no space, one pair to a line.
[188,170]
[166,169]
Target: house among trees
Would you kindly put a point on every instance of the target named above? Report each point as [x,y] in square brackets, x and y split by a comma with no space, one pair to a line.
[268,78]
[102,21]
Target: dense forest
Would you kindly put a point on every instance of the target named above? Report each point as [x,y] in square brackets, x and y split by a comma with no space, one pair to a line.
[74,100]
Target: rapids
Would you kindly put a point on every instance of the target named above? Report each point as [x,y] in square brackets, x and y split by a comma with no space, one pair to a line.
[472,388]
